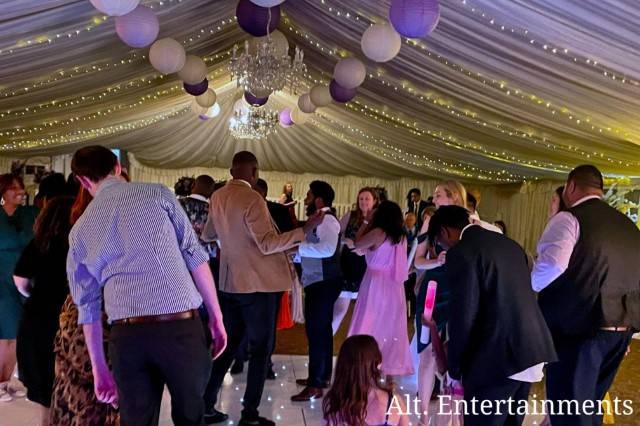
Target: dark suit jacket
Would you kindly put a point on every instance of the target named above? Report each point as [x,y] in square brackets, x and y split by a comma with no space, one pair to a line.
[421,206]
[281,216]
[496,328]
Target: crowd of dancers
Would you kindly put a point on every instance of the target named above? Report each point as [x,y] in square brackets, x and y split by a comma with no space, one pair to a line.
[179,289]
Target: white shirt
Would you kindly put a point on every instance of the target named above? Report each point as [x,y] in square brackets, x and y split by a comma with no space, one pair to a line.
[556,246]
[326,238]
[199,197]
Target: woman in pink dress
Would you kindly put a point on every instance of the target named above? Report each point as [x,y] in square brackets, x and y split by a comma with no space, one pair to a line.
[381,308]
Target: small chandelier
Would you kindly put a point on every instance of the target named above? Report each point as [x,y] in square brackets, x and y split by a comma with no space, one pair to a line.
[268,69]
[253,123]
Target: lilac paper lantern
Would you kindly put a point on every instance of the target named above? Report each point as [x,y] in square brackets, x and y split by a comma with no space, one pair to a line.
[138,28]
[340,94]
[414,18]
[254,19]
[196,89]
[285,118]
[203,117]
[254,100]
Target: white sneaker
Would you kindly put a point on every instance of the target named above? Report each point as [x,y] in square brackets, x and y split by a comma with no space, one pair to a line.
[5,397]
[16,393]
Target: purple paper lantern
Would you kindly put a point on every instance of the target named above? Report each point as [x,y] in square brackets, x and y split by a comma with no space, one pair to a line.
[254,19]
[203,117]
[254,100]
[196,89]
[414,18]
[340,94]
[285,118]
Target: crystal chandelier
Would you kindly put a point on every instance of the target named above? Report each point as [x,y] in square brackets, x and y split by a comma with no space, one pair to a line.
[253,123]
[268,68]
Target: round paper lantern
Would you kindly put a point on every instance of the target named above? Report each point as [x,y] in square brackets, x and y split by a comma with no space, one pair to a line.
[194,70]
[254,100]
[267,3]
[305,104]
[138,28]
[115,7]
[299,117]
[341,94]
[214,111]
[196,89]
[254,19]
[320,95]
[277,38]
[197,109]
[349,73]
[380,43]
[414,18]
[167,56]
[207,99]
[285,118]
[261,93]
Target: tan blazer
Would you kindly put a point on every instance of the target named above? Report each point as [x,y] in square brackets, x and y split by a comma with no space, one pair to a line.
[252,250]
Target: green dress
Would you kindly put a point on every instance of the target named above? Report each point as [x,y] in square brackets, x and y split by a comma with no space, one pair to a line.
[15,233]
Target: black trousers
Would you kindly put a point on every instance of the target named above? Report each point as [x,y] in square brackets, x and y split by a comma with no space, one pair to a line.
[319,299]
[147,356]
[253,314]
[585,371]
[500,415]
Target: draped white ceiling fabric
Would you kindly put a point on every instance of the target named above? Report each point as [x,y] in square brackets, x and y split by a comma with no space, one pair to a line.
[502,91]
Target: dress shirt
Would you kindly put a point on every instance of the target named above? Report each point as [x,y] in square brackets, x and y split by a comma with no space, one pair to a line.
[135,241]
[199,197]
[555,247]
[323,242]
[534,373]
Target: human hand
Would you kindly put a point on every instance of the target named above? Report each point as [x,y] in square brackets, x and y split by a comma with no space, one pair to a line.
[104,386]
[428,322]
[218,337]
[313,221]
[349,243]
[442,258]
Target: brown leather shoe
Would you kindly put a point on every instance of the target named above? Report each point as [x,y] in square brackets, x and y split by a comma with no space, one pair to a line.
[307,394]
[305,382]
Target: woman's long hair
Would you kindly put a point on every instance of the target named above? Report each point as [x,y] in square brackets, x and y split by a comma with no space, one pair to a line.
[357,372]
[84,198]
[562,207]
[357,216]
[53,222]
[388,217]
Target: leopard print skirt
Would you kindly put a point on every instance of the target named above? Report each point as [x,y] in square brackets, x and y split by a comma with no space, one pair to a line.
[73,402]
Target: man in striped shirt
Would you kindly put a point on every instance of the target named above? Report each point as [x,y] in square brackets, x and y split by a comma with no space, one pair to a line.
[135,243]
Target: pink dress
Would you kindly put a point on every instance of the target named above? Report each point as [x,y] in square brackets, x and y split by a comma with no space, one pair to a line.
[381,308]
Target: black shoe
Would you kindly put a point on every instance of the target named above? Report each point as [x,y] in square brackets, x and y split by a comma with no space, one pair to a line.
[215,417]
[237,367]
[260,421]
[271,375]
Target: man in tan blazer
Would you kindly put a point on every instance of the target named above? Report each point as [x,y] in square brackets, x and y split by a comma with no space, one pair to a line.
[254,270]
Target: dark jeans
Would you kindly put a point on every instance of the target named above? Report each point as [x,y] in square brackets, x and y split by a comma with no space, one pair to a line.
[500,414]
[319,299]
[147,356]
[584,372]
[253,314]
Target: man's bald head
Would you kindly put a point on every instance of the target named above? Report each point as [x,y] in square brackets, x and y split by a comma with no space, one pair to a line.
[245,166]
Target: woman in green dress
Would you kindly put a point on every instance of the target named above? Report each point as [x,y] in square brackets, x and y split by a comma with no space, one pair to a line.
[16,230]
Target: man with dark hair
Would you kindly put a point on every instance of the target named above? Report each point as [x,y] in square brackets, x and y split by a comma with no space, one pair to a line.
[416,205]
[322,282]
[196,204]
[135,241]
[498,339]
[588,275]
[278,212]
[254,270]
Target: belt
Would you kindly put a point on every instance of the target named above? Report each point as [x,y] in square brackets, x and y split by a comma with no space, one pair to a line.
[615,328]
[158,318]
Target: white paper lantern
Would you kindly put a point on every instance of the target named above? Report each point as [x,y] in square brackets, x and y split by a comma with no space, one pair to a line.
[277,38]
[349,73]
[197,109]
[320,95]
[138,28]
[267,3]
[299,117]
[194,70]
[167,56]
[305,104]
[115,7]
[207,99]
[214,111]
[381,43]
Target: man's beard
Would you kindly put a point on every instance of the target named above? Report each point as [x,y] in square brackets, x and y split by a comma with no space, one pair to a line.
[311,208]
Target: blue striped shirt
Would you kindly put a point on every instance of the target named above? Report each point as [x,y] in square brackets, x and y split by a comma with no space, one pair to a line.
[135,241]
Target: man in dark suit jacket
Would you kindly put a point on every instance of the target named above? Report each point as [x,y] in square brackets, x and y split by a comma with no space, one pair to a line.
[498,339]
[279,212]
[416,205]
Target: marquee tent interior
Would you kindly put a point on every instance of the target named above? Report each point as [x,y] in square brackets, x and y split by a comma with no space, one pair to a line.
[506,96]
